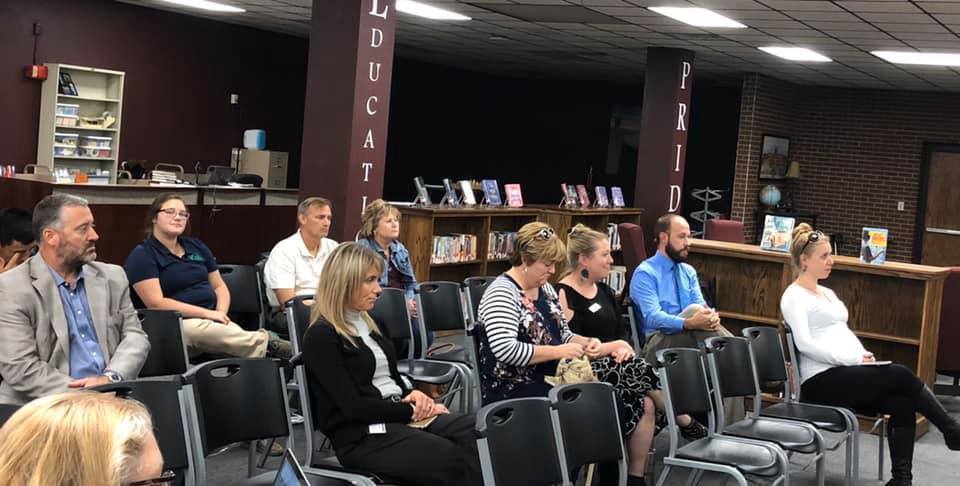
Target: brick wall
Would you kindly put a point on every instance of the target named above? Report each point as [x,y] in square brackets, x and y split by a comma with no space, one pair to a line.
[860,152]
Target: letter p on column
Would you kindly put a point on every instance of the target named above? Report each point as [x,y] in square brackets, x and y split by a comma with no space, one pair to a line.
[685,72]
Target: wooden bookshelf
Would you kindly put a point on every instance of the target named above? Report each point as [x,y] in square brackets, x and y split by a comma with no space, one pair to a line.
[894,308]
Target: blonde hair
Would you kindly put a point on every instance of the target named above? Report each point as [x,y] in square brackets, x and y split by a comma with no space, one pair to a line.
[582,240]
[532,247]
[373,213]
[74,439]
[799,246]
[343,273]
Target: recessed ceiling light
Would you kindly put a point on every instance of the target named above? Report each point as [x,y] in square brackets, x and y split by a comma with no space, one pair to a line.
[699,17]
[207,5]
[927,58]
[427,11]
[795,54]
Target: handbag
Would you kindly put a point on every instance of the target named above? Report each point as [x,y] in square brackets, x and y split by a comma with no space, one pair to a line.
[572,371]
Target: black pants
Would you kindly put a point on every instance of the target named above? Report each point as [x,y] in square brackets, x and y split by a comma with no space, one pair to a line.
[445,453]
[892,389]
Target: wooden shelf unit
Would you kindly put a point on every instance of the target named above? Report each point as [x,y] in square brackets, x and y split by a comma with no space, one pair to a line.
[894,308]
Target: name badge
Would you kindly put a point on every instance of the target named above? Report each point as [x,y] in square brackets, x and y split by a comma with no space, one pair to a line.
[376,429]
[594,307]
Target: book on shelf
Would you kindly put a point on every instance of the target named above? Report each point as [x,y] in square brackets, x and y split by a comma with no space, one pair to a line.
[873,245]
[423,195]
[466,187]
[450,193]
[66,85]
[500,244]
[617,278]
[569,195]
[777,233]
[491,192]
[601,197]
[454,248]
[514,196]
[583,195]
[616,193]
[613,234]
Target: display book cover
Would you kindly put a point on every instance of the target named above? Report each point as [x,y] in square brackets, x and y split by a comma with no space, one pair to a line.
[584,196]
[422,194]
[450,193]
[514,196]
[602,200]
[569,195]
[617,194]
[873,245]
[777,232]
[466,187]
[491,191]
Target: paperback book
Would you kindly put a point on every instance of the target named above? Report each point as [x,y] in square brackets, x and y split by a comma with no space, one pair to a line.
[601,197]
[450,194]
[454,248]
[423,195]
[777,233]
[613,235]
[569,196]
[491,191]
[616,194]
[584,196]
[873,245]
[500,244]
[514,196]
[467,189]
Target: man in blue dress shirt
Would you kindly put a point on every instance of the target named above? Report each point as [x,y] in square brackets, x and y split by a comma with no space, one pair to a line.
[66,322]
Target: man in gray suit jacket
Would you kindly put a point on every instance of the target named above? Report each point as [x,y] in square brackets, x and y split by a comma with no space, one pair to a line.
[66,322]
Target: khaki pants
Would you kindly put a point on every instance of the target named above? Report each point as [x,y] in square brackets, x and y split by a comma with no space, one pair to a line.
[206,336]
[734,409]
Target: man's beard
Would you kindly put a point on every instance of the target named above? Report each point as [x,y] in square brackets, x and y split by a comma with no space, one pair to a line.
[76,261]
[676,255]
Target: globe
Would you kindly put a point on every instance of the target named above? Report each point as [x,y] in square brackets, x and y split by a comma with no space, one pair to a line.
[770,195]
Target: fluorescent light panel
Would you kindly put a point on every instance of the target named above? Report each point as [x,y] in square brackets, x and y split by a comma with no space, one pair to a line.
[796,54]
[699,17]
[924,58]
[207,5]
[427,11]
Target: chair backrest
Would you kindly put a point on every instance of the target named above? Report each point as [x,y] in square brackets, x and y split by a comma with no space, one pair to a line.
[298,320]
[167,405]
[586,417]
[392,317]
[724,230]
[168,348]
[239,400]
[634,248]
[948,356]
[474,287]
[731,372]
[440,306]
[517,443]
[684,381]
[246,295]
[6,410]
[767,353]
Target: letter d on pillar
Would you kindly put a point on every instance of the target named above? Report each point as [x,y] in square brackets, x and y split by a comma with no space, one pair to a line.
[674,198]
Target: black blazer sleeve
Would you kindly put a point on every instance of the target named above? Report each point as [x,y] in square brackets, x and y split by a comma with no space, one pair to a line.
[324,361]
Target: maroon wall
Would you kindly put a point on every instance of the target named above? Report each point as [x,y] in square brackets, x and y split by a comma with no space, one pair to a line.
[180,73]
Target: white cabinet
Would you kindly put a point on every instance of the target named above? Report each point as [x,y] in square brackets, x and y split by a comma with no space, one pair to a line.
[270,165]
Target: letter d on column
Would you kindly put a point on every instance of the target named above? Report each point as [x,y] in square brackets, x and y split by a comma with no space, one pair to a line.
[674,198]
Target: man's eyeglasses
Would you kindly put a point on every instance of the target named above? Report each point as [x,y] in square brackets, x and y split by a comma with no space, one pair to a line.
[814,237]
[173,213]
[165,479]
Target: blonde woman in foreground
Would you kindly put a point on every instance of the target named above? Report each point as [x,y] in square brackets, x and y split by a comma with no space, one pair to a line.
[79,439]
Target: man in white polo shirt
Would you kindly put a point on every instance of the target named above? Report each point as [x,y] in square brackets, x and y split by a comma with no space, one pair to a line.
[295,262]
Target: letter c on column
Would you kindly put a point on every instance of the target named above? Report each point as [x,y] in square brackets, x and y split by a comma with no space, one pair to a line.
[370,110]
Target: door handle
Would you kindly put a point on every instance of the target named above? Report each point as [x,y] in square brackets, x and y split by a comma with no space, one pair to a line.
[944,231]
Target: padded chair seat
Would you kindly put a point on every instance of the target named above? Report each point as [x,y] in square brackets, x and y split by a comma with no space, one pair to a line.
[427,371]
[748,458]
[458,355]
[792,437]
[822,418]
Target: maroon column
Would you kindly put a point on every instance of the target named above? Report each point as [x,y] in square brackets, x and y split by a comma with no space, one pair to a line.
[663,133]
[347,106]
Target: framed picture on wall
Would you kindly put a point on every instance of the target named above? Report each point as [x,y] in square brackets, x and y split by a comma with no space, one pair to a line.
[774,157]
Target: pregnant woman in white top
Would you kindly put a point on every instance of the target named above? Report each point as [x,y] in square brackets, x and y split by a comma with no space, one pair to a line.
[835,368]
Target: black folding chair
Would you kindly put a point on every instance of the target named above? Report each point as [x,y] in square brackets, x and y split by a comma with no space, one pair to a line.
[685,391]
[168,348]
[731,367]
[473,289]
[588,425]
[7,410]
[247,307]
[168,402]
[517,444]
[440,306]
[770,367]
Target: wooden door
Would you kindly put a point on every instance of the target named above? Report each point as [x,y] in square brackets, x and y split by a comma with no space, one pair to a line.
[941,232]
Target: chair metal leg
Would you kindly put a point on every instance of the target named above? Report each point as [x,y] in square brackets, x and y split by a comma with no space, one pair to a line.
[252,459]
[883,434]
[694,477]
[663,475]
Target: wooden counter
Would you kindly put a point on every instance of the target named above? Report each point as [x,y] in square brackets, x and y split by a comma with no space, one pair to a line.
[894,308]
[236,223]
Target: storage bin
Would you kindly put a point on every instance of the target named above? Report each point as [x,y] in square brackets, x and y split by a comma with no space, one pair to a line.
[68,109]
[71,139]
[91,141]
[66,120]
[99,152]
[62,150]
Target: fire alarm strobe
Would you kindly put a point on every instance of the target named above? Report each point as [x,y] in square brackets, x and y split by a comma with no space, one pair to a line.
[35,72]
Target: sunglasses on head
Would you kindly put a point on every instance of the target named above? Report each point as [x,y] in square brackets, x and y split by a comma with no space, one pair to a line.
[814,237]
[545,234]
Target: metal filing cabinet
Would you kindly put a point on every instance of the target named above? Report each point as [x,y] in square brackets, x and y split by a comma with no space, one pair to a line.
[270,165]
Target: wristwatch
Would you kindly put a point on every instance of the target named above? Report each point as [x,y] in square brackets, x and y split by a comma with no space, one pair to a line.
[113,376]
